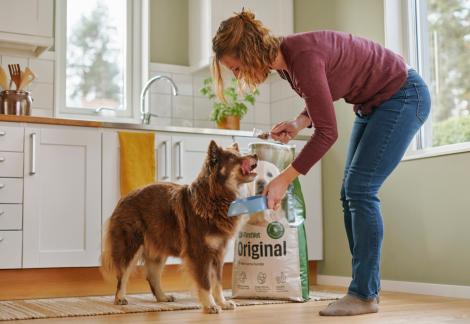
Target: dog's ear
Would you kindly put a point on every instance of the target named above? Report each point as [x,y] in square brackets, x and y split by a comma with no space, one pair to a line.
[235,147]
[213,153]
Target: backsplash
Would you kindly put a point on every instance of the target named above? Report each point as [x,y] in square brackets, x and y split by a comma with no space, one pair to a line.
[276,101]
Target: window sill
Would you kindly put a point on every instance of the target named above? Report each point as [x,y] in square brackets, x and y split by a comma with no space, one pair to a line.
[438,151]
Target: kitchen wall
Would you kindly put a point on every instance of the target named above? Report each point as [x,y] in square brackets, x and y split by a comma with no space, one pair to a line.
[424,202]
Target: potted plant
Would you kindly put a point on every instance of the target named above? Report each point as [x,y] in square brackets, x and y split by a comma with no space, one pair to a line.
[227,115]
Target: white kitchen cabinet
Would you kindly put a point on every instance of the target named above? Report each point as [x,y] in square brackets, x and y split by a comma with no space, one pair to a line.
[10,249]
[26,26]
[11,195]
[311,189]
[205,17]
[62,197]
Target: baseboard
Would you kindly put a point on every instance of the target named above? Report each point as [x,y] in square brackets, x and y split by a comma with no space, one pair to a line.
[404,286]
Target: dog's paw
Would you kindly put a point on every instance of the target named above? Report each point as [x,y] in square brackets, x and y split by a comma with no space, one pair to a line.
[120,301]
[228,305]
[212,309]
[166,298]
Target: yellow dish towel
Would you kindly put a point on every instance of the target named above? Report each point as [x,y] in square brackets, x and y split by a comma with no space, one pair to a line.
[137,160]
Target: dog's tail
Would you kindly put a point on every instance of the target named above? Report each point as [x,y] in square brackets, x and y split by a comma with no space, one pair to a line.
[108,267]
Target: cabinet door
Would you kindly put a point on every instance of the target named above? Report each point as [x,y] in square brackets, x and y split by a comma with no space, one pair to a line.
[29,17]
[62,197]
[189,153]
[111,184]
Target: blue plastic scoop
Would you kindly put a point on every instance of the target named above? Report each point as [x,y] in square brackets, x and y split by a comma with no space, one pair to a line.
[249,205]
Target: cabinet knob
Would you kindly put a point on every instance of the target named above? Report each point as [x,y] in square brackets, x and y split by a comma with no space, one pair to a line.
[2,185]
[2,212]
[1,239]
[3,133]
[2,159]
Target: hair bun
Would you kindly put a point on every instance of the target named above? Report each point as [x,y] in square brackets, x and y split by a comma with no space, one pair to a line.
[246,15]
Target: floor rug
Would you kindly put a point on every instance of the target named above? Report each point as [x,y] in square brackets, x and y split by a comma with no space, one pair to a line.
[103,305]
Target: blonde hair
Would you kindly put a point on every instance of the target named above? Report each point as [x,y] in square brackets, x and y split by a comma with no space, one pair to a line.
[245,38]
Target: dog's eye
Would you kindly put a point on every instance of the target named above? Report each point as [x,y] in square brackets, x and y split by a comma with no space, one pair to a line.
[269,174]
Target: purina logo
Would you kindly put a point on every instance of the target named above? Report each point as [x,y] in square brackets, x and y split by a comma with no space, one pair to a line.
[275,230]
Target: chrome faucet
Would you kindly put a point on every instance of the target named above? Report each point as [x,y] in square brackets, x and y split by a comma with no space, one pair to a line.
[145,113]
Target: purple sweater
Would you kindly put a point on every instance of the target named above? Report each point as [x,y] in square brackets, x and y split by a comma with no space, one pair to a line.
[325,66]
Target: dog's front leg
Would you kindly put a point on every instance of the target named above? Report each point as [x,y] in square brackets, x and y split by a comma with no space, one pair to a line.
[201,271]
[217,289]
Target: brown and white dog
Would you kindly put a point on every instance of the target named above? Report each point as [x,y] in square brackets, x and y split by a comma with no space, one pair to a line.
[187,221]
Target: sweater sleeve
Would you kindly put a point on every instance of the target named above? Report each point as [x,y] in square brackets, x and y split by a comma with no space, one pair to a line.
[310,76]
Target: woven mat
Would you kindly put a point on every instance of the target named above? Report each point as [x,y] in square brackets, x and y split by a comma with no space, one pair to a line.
[103,305]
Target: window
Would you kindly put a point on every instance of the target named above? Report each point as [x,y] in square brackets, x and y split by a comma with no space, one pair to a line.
[441,50]
[99,57]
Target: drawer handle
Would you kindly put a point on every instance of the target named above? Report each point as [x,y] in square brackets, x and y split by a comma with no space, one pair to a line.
[1,239]
[2,185]
[3,133]
[2,159]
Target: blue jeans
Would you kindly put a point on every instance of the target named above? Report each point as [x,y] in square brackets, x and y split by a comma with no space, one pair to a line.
[378,142]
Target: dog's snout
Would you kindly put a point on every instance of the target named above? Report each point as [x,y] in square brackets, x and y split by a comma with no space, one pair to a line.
[255,157]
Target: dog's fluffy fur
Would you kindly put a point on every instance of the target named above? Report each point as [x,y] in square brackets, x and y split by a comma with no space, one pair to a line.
[187,221]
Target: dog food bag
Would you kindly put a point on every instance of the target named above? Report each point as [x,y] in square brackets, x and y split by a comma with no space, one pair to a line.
[270,259]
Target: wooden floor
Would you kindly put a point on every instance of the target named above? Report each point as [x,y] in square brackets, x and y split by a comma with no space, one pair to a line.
[394,307]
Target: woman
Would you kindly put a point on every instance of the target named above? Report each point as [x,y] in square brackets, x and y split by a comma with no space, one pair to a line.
[390,100]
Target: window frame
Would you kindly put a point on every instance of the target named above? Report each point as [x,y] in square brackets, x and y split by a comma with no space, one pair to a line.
[403,30]
[137,65]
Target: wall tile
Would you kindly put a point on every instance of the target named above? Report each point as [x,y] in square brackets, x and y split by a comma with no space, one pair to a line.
[198,83]
[202,108]
[264,92]
[160,104]
[204,124]
[44,70]
[42,112]
[184,82]
[182,107]
[43,95]
[160,86]
[160,121]
[182,122]
[246,126]
[262,113]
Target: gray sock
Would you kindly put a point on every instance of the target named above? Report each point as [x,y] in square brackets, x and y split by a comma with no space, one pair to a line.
[350,305]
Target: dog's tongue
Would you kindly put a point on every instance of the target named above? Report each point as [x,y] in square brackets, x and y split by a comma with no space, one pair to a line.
[246,166]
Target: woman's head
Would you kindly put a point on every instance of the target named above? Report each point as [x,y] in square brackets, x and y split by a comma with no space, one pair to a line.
[244,46]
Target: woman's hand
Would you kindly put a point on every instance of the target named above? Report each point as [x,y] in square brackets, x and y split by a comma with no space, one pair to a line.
[287,130]
[277,187]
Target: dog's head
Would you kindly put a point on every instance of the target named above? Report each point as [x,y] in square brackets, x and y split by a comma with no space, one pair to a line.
[266,171]
[230,166]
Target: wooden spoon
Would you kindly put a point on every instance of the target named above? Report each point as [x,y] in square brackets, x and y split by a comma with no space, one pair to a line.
[26,78]
[3,79]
